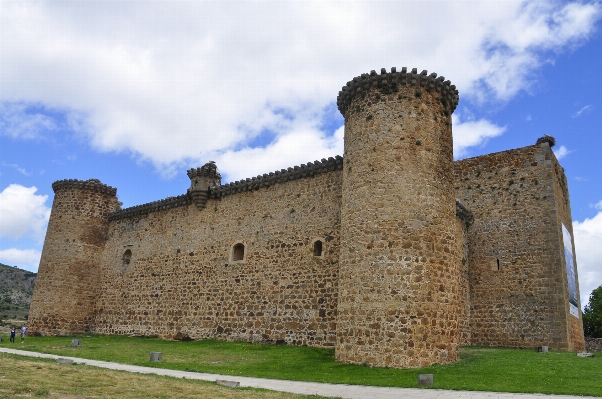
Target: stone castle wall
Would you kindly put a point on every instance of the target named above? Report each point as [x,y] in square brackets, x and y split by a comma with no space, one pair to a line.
[181,280]
[518,289]
[575,337]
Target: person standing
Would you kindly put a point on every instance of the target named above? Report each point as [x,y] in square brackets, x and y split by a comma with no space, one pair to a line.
[23,331]
[12,335]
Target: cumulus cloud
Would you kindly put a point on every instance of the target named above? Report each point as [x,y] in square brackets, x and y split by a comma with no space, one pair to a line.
[588,240]
[562,152]
[28,259]
[470,133]
[167,80]
[23,213]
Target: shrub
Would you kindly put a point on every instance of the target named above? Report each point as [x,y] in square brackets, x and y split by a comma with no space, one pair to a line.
[592,315]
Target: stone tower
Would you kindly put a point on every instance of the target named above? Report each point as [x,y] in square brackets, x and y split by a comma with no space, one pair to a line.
[401,259]
[201,181]
[65,293]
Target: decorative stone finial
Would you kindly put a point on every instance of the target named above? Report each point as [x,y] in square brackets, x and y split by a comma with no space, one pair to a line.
[201,181]
[547,139]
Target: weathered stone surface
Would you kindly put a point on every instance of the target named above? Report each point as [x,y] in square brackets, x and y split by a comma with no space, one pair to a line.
[585,354]
[226,383]
[400,302]
[64,299]
[156,356]
[393,254]
[518,283]
[425,380]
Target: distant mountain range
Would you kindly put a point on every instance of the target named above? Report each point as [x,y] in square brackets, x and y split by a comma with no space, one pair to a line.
[16,289]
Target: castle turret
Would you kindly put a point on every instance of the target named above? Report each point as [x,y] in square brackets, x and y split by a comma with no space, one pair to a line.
[66,289]
[201,181]
[399,300]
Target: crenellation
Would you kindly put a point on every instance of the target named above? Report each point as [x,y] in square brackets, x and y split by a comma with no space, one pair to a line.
[394,255]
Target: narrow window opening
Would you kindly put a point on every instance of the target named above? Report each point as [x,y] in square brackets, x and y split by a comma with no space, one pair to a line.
[318,248]
[498,264]
[125,259]
[238,252]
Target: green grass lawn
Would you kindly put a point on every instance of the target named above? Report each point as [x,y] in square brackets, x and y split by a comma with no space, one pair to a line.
[480,369]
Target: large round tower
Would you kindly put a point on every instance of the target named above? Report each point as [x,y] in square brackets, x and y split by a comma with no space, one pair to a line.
[66,289]
[399,300]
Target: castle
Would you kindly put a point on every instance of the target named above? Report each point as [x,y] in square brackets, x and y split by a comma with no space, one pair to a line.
[393,254]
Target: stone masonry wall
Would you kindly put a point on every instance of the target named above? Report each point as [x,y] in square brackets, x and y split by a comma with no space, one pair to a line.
[181,279]
[400,298]
[576,340]
[517,276]
[66,289]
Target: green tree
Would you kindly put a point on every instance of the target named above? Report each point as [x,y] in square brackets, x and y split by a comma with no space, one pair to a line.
[592,315]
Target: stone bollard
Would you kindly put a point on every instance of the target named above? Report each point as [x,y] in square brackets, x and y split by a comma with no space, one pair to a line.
[156,356]
[542,349]
[75,342]
[226,383]
[425,380]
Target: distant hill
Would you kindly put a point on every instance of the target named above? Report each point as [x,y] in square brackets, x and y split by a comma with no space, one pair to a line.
[16,289]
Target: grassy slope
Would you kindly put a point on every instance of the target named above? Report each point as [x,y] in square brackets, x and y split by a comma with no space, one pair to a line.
[482,369]
[46,378]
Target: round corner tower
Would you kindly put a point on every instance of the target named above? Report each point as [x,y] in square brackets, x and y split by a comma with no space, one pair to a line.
[399,283]
[65,294]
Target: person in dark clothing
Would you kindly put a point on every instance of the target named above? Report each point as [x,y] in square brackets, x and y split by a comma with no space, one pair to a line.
[12,335]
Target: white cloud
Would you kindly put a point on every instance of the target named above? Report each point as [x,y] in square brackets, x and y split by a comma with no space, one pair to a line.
[23,213]
[598,206]
[22,258]
[18,122]
[470,133]
[583,110]
[167,80]
[19,169]
[297,147]
[562,152]
[588,245]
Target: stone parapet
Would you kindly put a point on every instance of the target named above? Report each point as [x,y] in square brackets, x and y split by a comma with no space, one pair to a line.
[388,82]
[284,175]
[249,184]
[145,209]
[90,184]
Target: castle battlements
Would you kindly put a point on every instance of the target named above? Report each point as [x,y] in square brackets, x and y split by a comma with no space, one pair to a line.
[389,82]
[90,184]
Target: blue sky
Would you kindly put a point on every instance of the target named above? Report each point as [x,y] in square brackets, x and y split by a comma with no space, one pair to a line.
[135,93]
